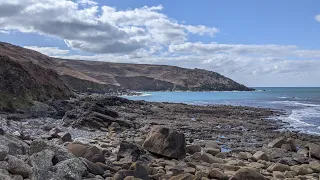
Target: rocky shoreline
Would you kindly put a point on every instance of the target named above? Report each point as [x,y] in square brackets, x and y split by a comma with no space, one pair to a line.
[102,137]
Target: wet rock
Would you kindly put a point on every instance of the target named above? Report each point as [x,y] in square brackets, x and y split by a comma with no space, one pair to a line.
[130,152]
[91,153]
[19,167]
[248,174]
[2,132]
[276,143]
[260,155]
[166,142]
[4,150]
[314,150]
[72,169]
[191,149]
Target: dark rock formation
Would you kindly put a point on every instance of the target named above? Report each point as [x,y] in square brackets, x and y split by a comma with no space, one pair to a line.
[166,142]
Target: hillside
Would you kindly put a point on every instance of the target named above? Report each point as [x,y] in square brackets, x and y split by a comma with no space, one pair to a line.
[94,76]
[154,77]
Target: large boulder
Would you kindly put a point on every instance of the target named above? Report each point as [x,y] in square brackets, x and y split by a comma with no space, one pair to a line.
[166,142]
[60,153]
[88,152]
[16,145]
[18,167]
[41,164]
[71,169]
[314,150]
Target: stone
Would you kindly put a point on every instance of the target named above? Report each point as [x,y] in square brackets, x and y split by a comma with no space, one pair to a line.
[2,132]
[72,169]
[17,177]
[315,166]
[286,147]
[18,167]
[278,175]
[299,170]
[217,174]
[314,150]
[244,155]
[16,146]
[60,153]
[292,143]
[4,151]
[207,158]
[114,126]
[260,155]
[303,152]
[91,153]
[65,136]
[130,151]
[92,168]
[257,165]
[191,149]
[276,143]
[222,155]
[248,174]
[4,175]
[278,167]
[212,151]
[4,165]
[212,144]
[166,142]
[42,160]
[185,176]
[54,132]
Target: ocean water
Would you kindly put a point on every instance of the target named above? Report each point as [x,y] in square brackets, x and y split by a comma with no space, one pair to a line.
[301,105]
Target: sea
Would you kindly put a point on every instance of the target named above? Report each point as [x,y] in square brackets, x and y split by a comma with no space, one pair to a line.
[301,105]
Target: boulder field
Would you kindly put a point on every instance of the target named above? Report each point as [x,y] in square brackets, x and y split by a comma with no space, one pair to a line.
[156,141]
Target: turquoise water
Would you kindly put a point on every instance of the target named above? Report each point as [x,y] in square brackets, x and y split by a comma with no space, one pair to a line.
[302,105]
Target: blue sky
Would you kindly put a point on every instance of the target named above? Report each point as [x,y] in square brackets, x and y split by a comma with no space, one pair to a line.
[258,43]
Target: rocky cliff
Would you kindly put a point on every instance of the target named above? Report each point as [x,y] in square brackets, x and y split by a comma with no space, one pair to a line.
[22,82]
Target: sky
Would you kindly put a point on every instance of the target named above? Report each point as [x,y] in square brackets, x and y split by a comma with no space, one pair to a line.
[257,43]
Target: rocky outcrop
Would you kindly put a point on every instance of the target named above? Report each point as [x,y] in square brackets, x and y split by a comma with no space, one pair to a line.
[21,82]
[166,142]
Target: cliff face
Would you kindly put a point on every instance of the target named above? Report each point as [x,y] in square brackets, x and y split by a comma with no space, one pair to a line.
[21,82]
[93,76]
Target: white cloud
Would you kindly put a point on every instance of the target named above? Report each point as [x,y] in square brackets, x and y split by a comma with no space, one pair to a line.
[87,26]
[4,32]
[50,51]
[242,49]
[317,18]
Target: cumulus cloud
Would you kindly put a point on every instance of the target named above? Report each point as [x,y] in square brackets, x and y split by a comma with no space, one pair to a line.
[317,18]
[87,26]
[50,51]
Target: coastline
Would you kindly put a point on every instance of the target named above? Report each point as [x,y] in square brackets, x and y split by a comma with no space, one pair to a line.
[237,133]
